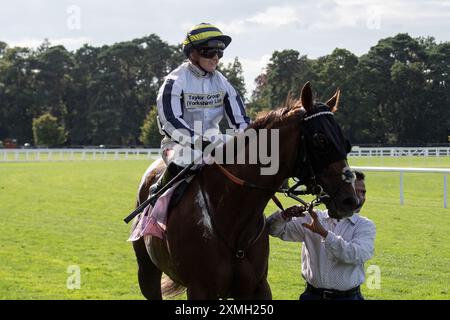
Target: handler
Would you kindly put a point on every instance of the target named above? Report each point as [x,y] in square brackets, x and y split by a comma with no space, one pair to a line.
[334,251]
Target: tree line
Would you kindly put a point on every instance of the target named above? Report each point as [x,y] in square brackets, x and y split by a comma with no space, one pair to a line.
[398,93]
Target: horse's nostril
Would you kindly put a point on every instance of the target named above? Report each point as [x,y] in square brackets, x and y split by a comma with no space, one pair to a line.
[350,202]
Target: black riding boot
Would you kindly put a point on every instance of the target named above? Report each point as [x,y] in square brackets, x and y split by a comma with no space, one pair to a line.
[171,171]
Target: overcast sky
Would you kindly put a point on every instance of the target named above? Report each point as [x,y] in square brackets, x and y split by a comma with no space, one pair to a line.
[258,27]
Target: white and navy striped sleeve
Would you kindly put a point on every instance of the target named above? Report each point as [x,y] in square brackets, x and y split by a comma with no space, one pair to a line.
[170,110]
[234,108]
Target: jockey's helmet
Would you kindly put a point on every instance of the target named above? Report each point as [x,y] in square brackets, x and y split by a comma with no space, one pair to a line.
[205,35]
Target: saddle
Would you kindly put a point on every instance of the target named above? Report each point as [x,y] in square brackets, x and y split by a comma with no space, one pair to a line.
[153,220]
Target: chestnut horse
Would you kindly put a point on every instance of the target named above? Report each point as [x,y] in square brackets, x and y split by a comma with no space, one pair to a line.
[216,242]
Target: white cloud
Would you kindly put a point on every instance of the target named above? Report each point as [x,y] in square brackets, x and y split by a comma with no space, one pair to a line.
[276,16]
[333,14]
[271,17]
[354,13]
[233,27]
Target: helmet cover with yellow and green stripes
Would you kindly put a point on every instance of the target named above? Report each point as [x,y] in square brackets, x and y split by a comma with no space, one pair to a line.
[201,34]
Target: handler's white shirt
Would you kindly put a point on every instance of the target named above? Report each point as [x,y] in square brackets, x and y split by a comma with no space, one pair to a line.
[336,262]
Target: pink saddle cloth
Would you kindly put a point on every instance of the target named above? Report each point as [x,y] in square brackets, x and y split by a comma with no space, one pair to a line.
[153,219]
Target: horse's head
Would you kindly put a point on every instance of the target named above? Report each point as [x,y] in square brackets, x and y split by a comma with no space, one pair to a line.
[322,160]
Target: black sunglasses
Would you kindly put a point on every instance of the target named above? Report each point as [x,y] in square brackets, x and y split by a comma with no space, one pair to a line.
[210,53]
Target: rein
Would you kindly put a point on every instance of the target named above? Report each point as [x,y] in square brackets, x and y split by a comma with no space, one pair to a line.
[290,192]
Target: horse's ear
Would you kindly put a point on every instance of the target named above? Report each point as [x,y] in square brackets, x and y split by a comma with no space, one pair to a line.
[307,97]
[334,101]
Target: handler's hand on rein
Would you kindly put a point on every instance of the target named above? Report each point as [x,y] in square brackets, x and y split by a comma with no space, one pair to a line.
[315,226]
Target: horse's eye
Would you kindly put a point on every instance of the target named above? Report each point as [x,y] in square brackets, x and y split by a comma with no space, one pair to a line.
[348,175]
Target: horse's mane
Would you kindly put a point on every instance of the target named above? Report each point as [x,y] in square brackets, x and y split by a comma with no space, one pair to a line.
[291,108]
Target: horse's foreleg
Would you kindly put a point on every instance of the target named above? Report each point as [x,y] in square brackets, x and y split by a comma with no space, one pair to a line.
[259,292]
[262,291]
[197,292]
[149,275]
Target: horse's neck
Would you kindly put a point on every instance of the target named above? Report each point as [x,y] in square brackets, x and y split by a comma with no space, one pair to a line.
[248,198]
[282,160]
[236,211]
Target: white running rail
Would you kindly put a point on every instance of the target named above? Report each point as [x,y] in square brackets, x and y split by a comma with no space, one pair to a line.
[399,152]
[401,170]
[44,155]
[32,155]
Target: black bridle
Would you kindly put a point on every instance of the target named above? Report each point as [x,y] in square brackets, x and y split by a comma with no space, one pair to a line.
[312,159]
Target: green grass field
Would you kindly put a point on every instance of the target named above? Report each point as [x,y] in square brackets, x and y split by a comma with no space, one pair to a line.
[58,214]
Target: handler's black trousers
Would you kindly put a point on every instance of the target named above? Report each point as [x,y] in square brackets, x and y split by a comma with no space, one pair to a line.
[312,293]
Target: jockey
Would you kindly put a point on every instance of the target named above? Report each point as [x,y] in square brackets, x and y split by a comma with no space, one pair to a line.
[193,100]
